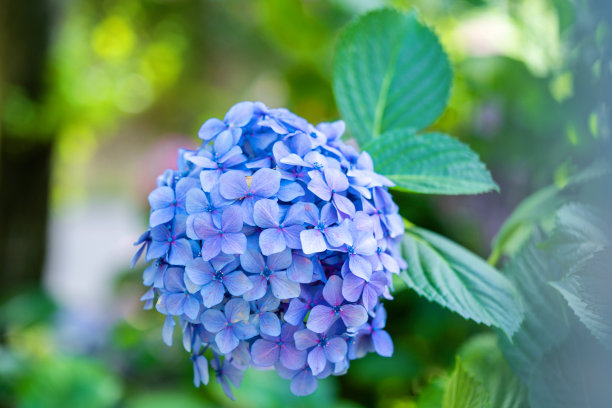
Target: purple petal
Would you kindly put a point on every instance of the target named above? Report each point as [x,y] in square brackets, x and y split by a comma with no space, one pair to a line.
[196,201]
[352,286]
[161,216]
[332,292]
[212,293]
[296,312]
[252,261]
[240,114]
[360,266]
[312,241]
[157,249]
[231,220]
[269,324]
[211,247]
[264,353]
[237,310]
[304,383]
[289,191]
[344,205]
[226,340]
[260,285]
[370,297]
[203,161]
[328,215]
[380,317]
[305,339]
[280,260]
[265,213]
[389,263]
[213,320]
[382,343]
[211,128]
[180,252]
[233,243]
[318,186]
[209,179]
[317,360]
[353,315]
[265,182]
[225,140]
[161,197]
[244,330]
[173,280]
[191,307]
[300,270]
[183,186]
[336,180]
[335,349]
[292,236]
[292,358]
[203,226]
[271,241]
[168,330]
[282,287]
[338,236]
[233,185]
[199,271]
[365,244]
[237,283]
[321,318]
[200,371]
[311,214]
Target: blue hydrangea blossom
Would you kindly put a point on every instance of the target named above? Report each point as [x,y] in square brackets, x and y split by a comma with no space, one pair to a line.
[272,246]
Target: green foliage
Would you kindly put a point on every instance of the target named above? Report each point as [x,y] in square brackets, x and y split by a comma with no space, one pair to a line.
[450,275]
[390,73]
[431,163]
[464,391]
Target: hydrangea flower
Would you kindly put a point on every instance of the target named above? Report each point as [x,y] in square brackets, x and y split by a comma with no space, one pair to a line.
[272,246]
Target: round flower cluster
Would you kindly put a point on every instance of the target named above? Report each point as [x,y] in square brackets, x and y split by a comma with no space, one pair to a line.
[272,244]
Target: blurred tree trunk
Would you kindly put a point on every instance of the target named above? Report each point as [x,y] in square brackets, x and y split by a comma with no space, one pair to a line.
[24,158]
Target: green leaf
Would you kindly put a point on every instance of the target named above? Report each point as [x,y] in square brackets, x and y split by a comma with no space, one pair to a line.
[483,358]
[450,275]
[390,72]
[431,163]
[464,391]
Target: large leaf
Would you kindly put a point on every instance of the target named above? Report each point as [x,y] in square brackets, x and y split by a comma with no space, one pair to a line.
[450,275]
[432,163]
[390,72]
[464,391]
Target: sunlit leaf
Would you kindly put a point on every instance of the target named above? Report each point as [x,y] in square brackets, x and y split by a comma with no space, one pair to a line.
[464,391]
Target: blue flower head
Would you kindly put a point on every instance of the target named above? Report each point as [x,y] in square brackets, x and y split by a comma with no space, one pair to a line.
[272,244]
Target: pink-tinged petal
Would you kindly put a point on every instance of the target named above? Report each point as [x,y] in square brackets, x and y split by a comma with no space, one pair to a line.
[280,260]
[244,330]
[382,343]
[338,236]
[335,349]
[271,241]
[203,226]
[282,287]
[292,358]
[318,186]
[199,271]
[269,324]
[311,214]
[264,353]
[317,360]
[321,318]
[231,220]
[336,180]
[363,221]
[233,185]
[332,291]
[252,261]
[212,293]
[213,320]
[265,213]
[161,197]
[305,339]
[378,281]
[260,285]
[237,310]
[352,286]
[265,182]
[226,340]
[296,312]
[344,205]
[211,247]
[353,315]
[328,215]
[360,266]
[237,283]
[292,236]
[312,241]
[233,243]
[161,216]
[300,270]
[209,179]
[304,383]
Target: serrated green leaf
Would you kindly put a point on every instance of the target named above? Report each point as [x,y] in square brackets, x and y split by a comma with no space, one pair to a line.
[431,163]
[464,391]
[452,276]
[390,72]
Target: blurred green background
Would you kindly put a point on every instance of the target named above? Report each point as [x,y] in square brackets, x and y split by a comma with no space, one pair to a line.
[97,95]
